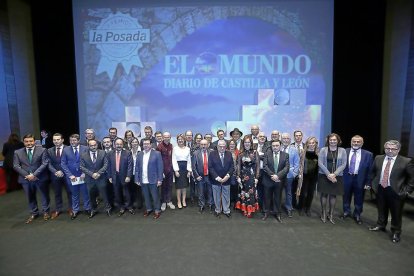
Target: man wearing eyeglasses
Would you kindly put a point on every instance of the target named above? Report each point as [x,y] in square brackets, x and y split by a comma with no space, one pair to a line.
[390,177]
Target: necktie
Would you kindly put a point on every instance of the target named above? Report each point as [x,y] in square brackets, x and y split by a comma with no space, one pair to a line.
[205,166]
[93,157]
[386,175]
[275,162]
[29,155]
[222,158]
[352,163]
[58,153]
[76,153]
[118,156]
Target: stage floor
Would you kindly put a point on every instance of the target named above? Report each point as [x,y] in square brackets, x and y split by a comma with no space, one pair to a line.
[184,242]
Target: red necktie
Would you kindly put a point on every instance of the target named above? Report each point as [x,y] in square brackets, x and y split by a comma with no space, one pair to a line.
[118,156]
[205,166]
[386,175]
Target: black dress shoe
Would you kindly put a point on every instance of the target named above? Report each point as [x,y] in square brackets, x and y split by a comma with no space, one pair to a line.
[376,228]
[228,215]
[121,213]
[216,214]
[396,238]
[131,211]
[358,220]
[73,216]
[92,214]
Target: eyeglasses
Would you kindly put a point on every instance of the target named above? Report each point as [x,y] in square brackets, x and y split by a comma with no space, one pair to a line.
[390,149]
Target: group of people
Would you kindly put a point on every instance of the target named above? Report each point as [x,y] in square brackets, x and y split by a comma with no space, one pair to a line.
[246,173]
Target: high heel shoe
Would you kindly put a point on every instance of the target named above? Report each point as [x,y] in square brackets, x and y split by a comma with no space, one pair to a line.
[330,218]
[184,204]
[323,216]
[179,205]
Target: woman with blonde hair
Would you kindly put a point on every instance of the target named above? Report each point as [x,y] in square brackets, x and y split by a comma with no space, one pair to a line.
[308,175]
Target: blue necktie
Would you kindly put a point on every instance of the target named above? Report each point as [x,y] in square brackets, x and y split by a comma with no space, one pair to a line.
[76,153]
[352,163]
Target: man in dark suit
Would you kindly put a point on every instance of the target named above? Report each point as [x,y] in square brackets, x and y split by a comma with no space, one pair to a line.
[30,163]
[390,181]
[221,167]
[166,148]
[57,176]
[94,164]
[148,175]
[70,163]
[120,174]
[46,140]
[199,163]
[356,177]
[89,135]
[276,168]
[220,136]
[148,134]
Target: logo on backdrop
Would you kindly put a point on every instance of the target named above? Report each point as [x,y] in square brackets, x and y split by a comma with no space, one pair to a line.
[119,38]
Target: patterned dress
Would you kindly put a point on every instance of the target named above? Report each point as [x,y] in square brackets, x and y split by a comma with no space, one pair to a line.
[248,168]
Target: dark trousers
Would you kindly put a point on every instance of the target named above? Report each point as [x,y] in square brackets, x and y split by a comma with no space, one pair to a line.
[166,187]
[136,193]
[96,188]
[274,193]
[152,198]
[122,193]
[30,188]
[352,187]
[58,183]
[110,193]
[204,192]
[389,201]
[307,191]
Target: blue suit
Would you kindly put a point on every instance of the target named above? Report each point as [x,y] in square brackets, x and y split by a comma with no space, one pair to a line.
[221,191]
[155,170]
[54,165]
[293,172]
[38,167]
[354,183]
[71,167]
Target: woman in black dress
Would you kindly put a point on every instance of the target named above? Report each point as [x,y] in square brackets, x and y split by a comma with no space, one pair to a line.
[308,175]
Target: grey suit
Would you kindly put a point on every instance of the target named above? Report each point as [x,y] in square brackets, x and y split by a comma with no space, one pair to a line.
[391,198]
[88,167]
[37,167]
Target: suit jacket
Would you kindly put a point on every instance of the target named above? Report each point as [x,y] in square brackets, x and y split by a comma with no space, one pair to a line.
[340,162]
[154,170]
[293,161]
[268,167]
[215,168]
[38,166]
[197,162]
[153,143]
[8,153]
[71,165]
[363,170]
[125,165]
[89,168]
[399,175]
[216,142]
[54,163]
